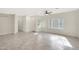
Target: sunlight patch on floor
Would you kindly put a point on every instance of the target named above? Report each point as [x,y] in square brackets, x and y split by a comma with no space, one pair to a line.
[60,41]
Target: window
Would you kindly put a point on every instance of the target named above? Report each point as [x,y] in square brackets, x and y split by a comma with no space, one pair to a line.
[56,23]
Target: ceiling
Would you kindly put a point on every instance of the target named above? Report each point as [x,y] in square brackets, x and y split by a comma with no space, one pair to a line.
[34,11]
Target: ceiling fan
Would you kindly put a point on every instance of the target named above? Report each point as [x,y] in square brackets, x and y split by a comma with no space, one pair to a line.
[48,12]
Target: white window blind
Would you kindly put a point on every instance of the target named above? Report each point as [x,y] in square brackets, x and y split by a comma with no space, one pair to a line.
[56,23]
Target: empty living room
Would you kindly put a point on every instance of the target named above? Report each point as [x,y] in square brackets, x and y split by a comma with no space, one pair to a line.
[39,28]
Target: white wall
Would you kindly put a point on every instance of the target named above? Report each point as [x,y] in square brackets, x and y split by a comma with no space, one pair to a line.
[16,23]
[6,24]
[77,22]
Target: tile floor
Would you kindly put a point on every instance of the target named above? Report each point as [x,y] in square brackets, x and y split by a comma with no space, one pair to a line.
[37,41]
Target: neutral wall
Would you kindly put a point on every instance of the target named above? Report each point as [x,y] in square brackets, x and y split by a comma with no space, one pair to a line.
[6,24]
[77,22]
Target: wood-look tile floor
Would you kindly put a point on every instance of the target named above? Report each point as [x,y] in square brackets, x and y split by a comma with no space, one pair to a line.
[37,41]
